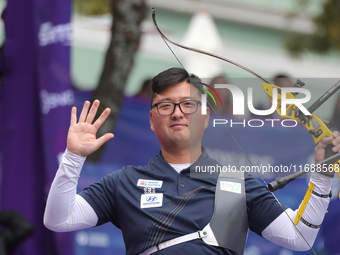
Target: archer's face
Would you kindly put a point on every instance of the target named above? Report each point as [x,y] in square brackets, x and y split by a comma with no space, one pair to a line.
[178,129]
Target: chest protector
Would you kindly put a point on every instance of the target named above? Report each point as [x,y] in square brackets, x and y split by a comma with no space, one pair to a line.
[228,227]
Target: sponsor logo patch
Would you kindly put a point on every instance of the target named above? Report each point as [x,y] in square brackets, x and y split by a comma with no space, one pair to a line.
[234,187]
[149,183]
[151,200]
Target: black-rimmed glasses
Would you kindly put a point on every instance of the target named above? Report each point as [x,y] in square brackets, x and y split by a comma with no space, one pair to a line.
[168,108]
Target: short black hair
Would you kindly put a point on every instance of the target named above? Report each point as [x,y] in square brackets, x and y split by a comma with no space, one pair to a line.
[171,77]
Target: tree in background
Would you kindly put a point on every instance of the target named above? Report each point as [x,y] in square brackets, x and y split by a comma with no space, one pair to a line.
[326,37]
[92,7]
[125,37]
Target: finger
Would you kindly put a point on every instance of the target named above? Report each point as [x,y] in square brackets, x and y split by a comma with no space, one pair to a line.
[73,116]
[324,142]
[84,111]
[99,122]
[93,111]
[336,138]
[104,138]
[336,142]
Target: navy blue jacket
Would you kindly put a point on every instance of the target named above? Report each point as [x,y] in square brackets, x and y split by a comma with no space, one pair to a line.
[187,205]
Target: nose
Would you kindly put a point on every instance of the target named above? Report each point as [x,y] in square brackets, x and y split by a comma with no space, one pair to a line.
[177,113]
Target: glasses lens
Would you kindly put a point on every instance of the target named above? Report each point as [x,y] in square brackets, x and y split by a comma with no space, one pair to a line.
[165,108]
[188,106]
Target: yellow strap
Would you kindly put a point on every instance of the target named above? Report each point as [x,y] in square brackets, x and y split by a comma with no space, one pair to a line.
[304,203]
[339,182]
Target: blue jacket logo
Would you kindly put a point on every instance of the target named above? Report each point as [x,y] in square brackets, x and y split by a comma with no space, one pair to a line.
[151,199]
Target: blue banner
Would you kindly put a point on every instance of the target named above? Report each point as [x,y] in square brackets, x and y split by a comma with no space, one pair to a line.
[55,91]
[36,99]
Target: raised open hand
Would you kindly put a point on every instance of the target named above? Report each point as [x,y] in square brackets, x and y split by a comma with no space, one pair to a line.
[81,139]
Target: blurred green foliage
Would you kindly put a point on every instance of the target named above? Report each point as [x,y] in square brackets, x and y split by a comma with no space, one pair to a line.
[92,7]
[326,37]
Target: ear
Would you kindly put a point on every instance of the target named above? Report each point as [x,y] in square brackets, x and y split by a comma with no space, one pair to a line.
[151,121]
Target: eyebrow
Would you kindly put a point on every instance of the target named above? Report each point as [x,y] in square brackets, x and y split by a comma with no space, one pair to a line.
[167,99]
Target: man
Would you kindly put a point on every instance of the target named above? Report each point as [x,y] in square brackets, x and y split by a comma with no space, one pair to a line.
[157,204]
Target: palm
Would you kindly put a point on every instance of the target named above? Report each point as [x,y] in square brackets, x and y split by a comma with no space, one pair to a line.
[81,138]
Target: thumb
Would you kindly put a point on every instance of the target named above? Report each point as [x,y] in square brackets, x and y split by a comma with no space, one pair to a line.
[104,138]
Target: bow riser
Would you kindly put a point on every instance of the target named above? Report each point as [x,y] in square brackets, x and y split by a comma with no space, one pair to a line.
[313,123]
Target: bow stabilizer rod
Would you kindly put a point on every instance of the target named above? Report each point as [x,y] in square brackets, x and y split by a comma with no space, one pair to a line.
[324,97]
[281,182]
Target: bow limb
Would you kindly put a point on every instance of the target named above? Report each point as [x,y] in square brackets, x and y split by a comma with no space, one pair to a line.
[153,12]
